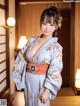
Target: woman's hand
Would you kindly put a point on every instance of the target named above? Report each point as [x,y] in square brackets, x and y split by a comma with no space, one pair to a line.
[45,95]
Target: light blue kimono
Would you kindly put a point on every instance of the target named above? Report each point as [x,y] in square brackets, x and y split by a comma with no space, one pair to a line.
[33,84]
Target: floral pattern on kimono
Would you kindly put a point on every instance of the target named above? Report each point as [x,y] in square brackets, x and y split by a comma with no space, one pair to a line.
[50,53]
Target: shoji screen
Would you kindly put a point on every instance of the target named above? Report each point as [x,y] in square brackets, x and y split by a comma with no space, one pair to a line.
[3,49]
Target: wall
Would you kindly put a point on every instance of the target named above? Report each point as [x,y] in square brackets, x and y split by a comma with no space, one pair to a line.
[28,17]
[11,42]
[77,36]
[75,41]
[72,46]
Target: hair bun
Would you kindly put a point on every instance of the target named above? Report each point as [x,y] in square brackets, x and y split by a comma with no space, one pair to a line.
[53,8]
[59,21]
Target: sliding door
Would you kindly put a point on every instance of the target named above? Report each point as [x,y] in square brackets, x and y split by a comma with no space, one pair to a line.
[4,54]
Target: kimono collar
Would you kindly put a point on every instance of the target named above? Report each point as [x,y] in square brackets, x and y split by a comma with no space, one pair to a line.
[53,40]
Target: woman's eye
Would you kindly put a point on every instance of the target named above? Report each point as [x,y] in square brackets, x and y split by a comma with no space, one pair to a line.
[52,24]
[44,23]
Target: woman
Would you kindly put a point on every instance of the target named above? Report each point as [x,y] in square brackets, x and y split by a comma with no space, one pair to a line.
[39,63]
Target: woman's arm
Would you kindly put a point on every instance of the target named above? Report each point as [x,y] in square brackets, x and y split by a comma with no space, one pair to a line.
[53,80]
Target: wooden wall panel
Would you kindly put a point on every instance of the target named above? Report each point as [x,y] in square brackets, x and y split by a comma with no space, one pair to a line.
[31,15]
[28,18]
[77,35]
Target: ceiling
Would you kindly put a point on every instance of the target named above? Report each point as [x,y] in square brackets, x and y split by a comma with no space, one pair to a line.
[60,5]
[38,0]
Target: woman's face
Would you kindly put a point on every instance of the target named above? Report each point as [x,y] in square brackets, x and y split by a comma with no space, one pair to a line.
[48,27]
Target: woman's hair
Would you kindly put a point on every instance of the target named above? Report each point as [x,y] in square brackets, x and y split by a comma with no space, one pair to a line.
[52,16]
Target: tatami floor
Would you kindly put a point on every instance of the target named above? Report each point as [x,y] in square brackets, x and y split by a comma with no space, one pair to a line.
[66,97]
[66,101]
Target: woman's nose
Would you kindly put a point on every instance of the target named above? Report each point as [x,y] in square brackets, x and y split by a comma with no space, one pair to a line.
[47,26]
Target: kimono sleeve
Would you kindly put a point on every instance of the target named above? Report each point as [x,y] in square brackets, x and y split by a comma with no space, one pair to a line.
[53,79]
[21,54]
[19,69]
[20,57]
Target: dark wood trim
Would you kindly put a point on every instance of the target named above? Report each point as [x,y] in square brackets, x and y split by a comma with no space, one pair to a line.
[2,34]
[2,61]
[17,9]
[2,43]
[38,0]
[7,45]
[2,6]
[2,71]
[3,80]
[3,92]
[72,61]
[5,95]
[2,52]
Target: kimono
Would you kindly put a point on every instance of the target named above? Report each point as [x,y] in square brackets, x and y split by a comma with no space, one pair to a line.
[33,84]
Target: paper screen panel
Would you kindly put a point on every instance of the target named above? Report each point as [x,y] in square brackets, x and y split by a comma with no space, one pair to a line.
[3,85]
[2,21]
[2,66]
[2,48]
[2,39]
[3,56]
[2,75]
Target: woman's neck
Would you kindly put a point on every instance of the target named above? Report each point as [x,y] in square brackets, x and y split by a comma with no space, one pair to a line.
[46,37]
